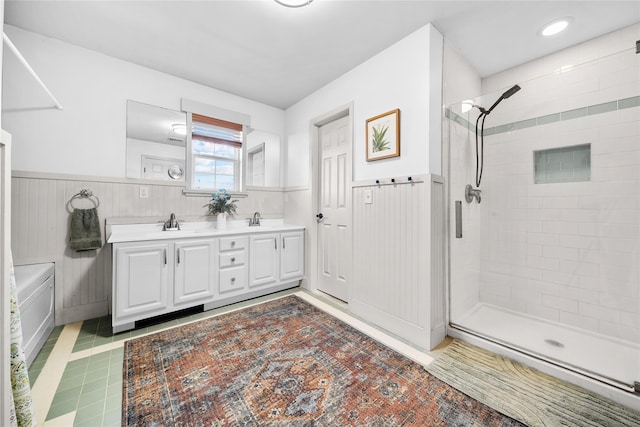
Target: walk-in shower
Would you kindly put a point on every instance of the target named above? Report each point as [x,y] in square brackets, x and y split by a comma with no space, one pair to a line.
[548,263]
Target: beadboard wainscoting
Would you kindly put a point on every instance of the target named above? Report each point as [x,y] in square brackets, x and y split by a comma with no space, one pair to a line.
[399,259]
[40,229]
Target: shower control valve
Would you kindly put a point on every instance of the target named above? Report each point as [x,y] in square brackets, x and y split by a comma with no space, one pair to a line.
[471,193]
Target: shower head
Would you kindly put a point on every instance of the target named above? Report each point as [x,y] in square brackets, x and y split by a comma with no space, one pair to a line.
[510,92]
[483,115]
[505,95]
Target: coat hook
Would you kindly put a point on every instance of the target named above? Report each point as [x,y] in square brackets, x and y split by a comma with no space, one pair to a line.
[410,179]
[377,181]
[393,180]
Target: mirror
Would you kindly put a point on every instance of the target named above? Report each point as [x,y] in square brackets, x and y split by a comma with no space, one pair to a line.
[263,159]
[155,142]
[156,148]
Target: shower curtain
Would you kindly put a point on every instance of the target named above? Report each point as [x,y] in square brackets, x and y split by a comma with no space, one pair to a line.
[23,414]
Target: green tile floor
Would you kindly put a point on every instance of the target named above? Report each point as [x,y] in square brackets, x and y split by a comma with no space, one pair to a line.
[92,385]
[41,358]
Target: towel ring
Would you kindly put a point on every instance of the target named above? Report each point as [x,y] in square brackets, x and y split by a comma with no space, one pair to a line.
[85,194]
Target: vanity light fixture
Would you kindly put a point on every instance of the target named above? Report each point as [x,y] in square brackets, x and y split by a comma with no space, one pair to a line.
[555,27]
[293,3]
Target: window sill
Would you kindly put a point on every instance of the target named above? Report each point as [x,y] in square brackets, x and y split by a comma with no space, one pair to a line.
[208,193]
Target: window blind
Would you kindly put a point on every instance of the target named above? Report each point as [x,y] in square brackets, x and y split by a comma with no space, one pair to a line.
[215,130]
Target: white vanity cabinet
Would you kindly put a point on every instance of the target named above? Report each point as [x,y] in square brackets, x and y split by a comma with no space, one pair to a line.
[263,263]
[160,272]
[276,258]
[141,281]
[291,255]
[194,272]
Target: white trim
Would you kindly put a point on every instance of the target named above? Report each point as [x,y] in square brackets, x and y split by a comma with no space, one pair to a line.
[296,188]
[89,178]
[5,245]
[208,193]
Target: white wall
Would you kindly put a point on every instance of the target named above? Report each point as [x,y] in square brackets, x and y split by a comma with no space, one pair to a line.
[88,137]
[407,76]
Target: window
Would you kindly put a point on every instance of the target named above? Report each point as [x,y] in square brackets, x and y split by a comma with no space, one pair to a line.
[216,154]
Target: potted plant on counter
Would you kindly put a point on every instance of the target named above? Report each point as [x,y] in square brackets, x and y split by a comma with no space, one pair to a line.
[221,205]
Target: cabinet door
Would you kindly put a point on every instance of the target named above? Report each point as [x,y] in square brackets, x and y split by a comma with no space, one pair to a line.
[142,277]
[195,268]
[292,255]
[263,260]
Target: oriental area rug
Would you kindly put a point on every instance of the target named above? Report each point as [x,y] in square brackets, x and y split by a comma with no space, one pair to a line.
[284,363]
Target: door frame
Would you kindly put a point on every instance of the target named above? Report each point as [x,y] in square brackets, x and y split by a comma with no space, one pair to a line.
[345,110]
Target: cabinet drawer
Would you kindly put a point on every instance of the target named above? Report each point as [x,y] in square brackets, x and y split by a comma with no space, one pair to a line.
[233,279]
[232,243]
[230,259]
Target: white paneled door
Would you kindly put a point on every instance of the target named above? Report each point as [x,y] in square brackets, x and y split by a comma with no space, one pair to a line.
[334,216]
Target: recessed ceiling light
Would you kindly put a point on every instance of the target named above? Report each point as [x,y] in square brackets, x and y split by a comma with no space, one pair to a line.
[555,27]
[293,3]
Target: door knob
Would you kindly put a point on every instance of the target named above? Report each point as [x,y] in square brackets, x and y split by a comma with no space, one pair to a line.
[320,216]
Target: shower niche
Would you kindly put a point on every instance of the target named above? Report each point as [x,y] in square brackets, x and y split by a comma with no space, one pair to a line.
[564,164]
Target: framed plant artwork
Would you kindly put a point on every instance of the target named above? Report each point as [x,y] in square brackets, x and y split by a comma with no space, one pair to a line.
[383,136]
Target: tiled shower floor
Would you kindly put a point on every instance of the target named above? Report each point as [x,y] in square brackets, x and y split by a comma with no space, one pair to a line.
[77,376]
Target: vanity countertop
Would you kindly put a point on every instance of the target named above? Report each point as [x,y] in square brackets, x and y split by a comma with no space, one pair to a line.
[148,232]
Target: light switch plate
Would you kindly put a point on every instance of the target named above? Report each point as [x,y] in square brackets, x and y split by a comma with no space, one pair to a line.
[144,192]
[368,197]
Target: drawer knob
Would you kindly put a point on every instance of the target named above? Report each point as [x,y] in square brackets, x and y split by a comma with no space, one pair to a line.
[233,279]
[233,259]
[233,243]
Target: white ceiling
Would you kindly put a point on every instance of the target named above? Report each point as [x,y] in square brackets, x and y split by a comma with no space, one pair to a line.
[263,51]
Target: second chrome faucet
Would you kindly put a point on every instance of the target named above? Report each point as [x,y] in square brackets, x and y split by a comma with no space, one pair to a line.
[255,220]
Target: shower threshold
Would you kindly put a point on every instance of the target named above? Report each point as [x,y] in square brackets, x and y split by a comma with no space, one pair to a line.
[606,359]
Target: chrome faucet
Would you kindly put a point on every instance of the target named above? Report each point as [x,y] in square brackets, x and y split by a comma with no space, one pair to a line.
[255,220]
[171,224]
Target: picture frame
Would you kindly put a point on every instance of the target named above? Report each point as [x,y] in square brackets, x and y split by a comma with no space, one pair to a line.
[383,136]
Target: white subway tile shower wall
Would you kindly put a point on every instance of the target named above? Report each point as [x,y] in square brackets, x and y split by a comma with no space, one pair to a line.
[567,252]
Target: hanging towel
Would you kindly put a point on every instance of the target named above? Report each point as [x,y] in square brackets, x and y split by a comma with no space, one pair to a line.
[85,230]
